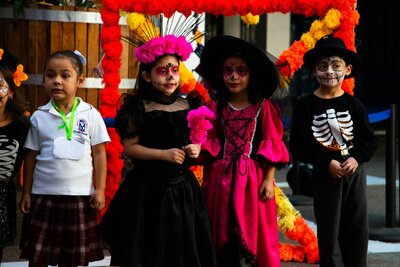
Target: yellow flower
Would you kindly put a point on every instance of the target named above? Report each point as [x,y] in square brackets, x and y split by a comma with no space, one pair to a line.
[142,26]
[185,74]
[323,32]
[332,18]
[19,75]
[317,25]
[250,19]
[286,223]
[134,20]
[200,39]
[321,28]
[308,40]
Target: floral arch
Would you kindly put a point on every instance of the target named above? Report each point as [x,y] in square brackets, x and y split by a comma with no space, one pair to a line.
[339,17]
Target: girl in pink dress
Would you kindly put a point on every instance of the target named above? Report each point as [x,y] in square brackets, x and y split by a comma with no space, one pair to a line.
[244,149]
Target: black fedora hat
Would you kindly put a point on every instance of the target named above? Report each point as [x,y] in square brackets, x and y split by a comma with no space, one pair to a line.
[333,46]
[219,48]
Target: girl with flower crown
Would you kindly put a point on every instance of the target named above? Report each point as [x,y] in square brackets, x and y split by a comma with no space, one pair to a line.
[244,150]
[13,130]
[158,217]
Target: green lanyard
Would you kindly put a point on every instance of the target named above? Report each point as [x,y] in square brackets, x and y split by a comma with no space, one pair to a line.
[68,129]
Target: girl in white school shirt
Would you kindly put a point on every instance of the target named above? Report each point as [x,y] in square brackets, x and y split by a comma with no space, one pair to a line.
[65,142]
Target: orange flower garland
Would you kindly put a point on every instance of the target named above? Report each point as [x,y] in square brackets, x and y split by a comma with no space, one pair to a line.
[198,172]
[294,227]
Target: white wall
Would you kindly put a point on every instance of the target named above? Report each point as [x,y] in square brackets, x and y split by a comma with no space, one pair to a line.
[232,25]
[278,33]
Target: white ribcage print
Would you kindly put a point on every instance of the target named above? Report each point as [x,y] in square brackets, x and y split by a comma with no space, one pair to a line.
[8,154]
[332,128]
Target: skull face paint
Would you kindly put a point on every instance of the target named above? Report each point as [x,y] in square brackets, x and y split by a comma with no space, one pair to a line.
[3,88]
[236,75]
[242,71]
[165,75]
[331,71]
[168,71]
[3,85]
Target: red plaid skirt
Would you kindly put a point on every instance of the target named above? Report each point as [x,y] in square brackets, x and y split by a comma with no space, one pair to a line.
[61,230]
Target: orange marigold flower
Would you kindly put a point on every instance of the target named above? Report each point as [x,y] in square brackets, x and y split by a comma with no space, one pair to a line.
[1,53]
[19,75]
[198,172]
[286,251]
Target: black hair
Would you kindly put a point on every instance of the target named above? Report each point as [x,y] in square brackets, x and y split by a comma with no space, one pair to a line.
[13,107]
[9,61]
[67,54]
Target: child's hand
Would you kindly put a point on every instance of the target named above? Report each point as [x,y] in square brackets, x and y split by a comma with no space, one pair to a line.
[97,200]
[192,150]
[350,165]
[174,155]
[267,190]
[25,203]
[335,169]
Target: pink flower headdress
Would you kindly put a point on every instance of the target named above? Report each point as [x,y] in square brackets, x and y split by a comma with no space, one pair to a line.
[173,37]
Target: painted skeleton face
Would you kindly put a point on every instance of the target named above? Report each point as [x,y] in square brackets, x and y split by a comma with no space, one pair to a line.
[236,74]
[4,90]
[3,85]
[331,71]
[165,75]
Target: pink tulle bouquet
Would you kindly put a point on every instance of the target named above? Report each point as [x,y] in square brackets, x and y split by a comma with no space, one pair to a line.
[199,123]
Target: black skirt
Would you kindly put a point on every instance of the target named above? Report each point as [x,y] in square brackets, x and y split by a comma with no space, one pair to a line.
[8,213]
[158,221]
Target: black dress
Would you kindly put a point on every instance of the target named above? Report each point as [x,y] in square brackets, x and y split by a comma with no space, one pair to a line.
[158,216]
[12,138]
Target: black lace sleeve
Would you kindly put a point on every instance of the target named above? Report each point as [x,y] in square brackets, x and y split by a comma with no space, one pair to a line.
[129,117]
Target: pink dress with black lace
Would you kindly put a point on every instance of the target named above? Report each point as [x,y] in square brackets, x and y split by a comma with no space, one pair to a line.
[252,137]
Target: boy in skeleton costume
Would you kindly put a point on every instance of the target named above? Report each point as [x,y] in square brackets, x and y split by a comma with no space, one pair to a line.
[331,131]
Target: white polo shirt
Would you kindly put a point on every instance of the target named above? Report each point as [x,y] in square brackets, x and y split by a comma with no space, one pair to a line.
[65,167]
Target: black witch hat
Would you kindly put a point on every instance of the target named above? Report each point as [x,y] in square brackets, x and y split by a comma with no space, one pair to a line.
[219,48]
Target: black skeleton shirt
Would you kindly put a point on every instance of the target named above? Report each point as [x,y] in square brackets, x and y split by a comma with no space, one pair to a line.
[325,129]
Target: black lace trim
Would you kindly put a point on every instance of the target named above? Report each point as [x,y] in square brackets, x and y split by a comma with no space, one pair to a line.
[156,96]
